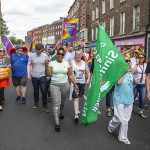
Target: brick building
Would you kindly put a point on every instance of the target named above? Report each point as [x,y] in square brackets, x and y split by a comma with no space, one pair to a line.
[48,34]
[81,9]
[124,21]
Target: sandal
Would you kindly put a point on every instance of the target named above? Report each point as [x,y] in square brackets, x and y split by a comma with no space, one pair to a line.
[61,116]
[127,142]
[110,130]
[109,113]
[57,128]
[143,116]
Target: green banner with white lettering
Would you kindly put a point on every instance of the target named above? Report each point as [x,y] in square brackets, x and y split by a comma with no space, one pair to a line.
[109,66]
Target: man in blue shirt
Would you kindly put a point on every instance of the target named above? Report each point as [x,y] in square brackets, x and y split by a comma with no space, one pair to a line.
[19,62]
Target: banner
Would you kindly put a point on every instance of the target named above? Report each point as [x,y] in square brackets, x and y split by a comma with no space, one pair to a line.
[4,68]
[7,44]
[69,29]
[109,66]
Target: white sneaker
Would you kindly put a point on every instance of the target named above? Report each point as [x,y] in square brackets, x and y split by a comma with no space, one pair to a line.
[76,118]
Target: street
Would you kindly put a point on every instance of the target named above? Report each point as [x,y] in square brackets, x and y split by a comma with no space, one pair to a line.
[25,128]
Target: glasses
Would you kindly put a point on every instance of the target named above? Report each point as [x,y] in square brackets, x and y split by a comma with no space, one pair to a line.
[2,51]
[61,54]
[127,60]
[141,57]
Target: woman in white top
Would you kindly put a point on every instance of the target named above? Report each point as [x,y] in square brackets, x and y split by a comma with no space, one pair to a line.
[140,88]
[59,86]
[79,68]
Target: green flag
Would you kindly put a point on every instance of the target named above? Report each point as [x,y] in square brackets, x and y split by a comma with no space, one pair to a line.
[109,66]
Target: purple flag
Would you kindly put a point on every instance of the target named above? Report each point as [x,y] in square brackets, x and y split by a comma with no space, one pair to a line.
[7,44]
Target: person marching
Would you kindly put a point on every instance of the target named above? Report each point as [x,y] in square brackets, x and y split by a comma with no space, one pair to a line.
[79,68]
[36,70]
[123,103]
[19,62]
[59,86]
[4,63]
[140,75]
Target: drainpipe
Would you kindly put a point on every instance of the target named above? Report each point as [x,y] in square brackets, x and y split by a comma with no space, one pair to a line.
[147,25]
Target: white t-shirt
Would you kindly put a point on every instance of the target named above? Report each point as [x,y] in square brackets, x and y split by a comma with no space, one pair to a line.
[138,74]
[59,71]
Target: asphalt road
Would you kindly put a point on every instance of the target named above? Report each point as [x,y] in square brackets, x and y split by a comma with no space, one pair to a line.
[25,128]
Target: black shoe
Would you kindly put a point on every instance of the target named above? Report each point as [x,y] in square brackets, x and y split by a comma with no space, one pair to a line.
[18,99]
[76,118]
[57,128]
[61,116]
[50,99]
[23,100]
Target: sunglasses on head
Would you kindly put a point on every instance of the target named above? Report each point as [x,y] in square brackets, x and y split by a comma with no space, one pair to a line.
[2,50]
[127,60]
[61,54]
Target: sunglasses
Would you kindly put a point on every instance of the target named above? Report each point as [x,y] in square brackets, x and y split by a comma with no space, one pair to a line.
[127,60]
[2,50]
[61,54]
[141,57]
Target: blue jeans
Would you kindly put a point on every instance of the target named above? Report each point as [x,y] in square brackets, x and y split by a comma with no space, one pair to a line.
[140,88]
[108,97]
[42,84]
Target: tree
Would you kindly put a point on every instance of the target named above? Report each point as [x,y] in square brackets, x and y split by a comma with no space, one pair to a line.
[15,41]
[4,28]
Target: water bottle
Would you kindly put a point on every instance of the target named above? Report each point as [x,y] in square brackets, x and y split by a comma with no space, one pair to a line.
[76,91]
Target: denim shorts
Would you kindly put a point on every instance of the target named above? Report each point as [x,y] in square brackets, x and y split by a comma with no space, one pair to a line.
[81,91]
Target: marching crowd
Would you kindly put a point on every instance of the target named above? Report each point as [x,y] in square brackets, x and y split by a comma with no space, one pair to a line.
[64,72]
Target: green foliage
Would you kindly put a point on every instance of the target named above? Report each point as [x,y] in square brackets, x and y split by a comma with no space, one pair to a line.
[15,41]
[4,28]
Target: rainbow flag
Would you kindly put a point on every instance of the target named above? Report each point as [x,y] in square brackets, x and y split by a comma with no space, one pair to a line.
[27,46]
[89,63]
[69,28]
[33,42]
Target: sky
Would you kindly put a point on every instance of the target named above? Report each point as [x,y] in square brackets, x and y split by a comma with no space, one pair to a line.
[24,15]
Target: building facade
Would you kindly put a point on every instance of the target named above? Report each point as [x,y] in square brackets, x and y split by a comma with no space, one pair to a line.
[81,9]
[126,22]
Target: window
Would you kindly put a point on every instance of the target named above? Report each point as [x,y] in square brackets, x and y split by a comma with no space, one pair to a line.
[122,1]
[122,23]
[111,26]
[103,6]
[92,34]
[97,12]
[93,15]
[136,18]
[103,24]
[96,33]
[111,4]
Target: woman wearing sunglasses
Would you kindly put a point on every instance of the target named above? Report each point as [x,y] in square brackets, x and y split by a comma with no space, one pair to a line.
[59,86]
[123,102]
[4,63]
[140,88]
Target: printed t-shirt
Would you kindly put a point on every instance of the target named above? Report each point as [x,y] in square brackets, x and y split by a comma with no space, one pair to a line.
[19,64]
[38,62]
[59,72]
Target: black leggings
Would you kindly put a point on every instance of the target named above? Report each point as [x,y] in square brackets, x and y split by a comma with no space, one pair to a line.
[1,95]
